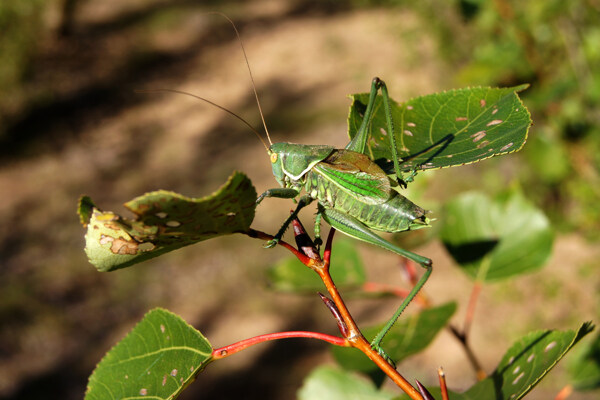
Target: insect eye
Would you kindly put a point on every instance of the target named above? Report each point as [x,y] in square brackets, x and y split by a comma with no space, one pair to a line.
[273,158]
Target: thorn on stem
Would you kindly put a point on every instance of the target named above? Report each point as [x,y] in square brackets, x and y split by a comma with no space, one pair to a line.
[303,241]
[336,314]
[327,252]
[424,392]
[443,387]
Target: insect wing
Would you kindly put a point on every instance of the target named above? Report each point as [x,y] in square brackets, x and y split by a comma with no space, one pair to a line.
[356,175]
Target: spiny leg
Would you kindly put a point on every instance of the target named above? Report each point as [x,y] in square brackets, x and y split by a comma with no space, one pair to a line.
[359,143]
[392,134]
[390,124]
[376,342]
[354,228]
[302,202]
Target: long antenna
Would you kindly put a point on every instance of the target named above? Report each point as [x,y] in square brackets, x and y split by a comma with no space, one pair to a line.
[249,71]
[209,102]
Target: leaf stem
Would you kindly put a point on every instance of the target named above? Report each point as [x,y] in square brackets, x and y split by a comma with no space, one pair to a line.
[564,393]
[479,371]
[244,344]
[471,308]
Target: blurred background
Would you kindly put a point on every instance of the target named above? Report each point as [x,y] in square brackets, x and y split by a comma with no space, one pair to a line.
[71,123]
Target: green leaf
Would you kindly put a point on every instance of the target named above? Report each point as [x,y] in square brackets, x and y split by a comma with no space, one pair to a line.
[446,129]
[156,360]
[329,383]
[549,159]
[584,368]
[522,367]
[408,336]
[165,221]
[496,238]
[526,363]
[347,271]
[85,209]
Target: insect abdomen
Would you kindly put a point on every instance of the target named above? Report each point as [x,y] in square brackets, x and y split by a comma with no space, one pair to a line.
[395,215]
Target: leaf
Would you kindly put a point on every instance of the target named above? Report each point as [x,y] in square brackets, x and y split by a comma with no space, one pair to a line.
[496,238]
[408,336]
[347,271]
[584,368]
[85,209]
[165,221]
[549,158]
[329,383]
[526,363]
[156,360]
[523,366]
[446,129]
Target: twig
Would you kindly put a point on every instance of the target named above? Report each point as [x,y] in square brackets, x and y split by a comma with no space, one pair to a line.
[479,371]
[443,387]
[226,351]
[564,393]
[354,337]
[471,309]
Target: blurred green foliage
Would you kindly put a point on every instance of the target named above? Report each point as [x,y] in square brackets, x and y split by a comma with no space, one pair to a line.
[20,25]
[554,45]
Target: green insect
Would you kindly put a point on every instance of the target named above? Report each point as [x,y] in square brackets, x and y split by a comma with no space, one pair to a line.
[354,194]
[358,195]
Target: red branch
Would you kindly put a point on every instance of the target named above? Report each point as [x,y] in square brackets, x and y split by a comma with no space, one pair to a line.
[244,344]
[354,336]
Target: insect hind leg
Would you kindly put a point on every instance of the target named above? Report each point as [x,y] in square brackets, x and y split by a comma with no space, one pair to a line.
[354,228]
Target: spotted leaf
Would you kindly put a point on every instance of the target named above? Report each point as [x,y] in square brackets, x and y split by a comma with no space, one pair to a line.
[523,365]
[526,363]
[446,129]
[156,360]
[165,221]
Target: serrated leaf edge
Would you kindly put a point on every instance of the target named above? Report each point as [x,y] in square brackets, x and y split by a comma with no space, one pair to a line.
[513,90]
[192,377]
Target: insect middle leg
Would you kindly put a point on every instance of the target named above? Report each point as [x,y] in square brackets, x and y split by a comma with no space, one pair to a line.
[286,193]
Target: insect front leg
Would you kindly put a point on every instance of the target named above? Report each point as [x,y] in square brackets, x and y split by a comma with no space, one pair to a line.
[354,228]
[281,193]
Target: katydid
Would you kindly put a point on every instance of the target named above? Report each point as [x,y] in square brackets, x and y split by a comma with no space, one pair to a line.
[355,196]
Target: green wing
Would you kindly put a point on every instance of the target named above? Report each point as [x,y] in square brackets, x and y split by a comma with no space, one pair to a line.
[356,175]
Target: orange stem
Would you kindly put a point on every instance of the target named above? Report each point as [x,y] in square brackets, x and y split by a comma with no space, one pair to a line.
[226,351]
[354,337]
